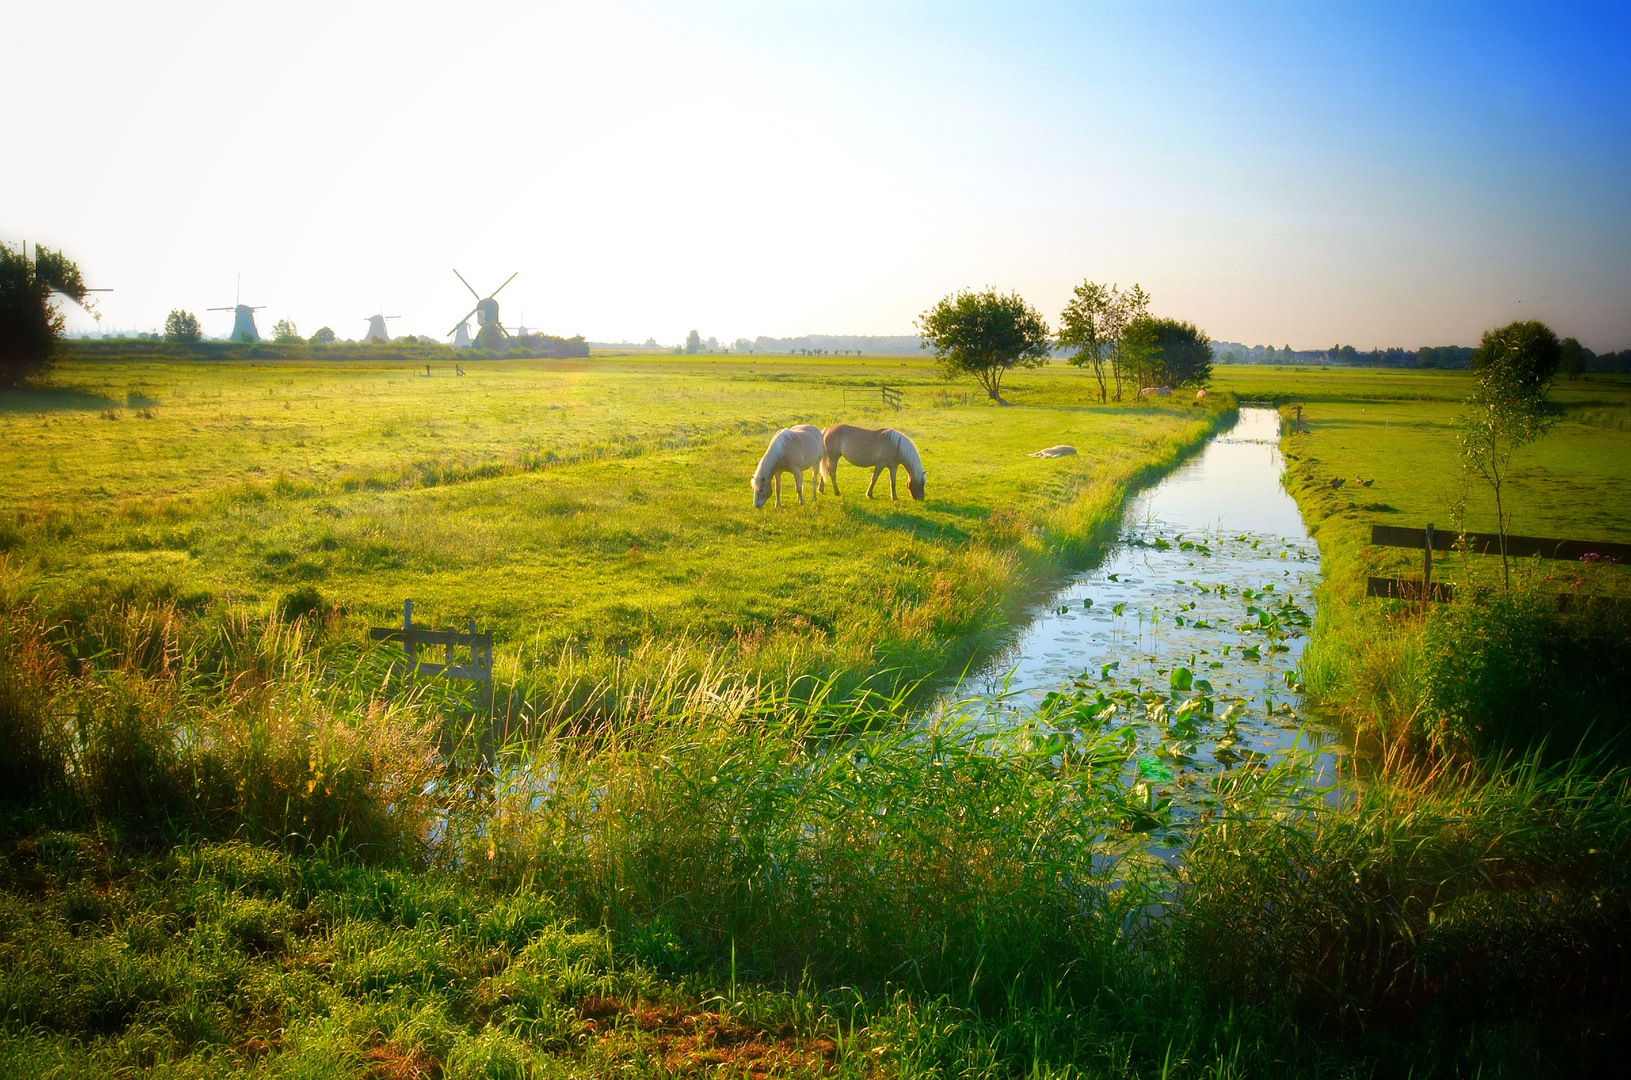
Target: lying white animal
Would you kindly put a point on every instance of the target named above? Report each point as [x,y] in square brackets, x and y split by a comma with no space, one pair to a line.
[1055,451]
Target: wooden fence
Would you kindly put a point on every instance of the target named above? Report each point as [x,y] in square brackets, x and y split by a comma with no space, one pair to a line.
[1429,540]
[889,395]
[413,638]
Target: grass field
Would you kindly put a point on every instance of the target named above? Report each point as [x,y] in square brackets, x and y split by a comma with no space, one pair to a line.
[236,842]
[581,509]
[1397,429]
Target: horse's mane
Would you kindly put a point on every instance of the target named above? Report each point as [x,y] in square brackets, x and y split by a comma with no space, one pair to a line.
[908,454]
[773,453]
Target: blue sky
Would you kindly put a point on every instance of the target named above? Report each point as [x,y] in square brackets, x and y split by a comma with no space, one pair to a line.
[1305,174]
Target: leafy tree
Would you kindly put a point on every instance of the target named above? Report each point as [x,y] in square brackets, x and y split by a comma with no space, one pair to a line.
[1126,309]
[1084,325]
[324,336]
[692,343]
[1167,352]
[182,326]
[985,334]
[30,324]
[1572,358]
[283,331]
[1507,410]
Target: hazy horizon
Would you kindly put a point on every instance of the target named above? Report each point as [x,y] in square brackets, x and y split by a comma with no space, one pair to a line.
[1388,176]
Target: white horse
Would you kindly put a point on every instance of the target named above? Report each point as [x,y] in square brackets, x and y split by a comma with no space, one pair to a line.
[883,449]
[791,450]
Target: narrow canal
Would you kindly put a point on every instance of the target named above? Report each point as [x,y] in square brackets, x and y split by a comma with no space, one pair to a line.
[1185,640]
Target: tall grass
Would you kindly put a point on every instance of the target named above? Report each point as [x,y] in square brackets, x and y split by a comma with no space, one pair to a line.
[987,901]
[1491,897]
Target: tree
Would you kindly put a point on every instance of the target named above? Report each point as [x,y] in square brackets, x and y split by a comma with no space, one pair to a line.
[1126,309]
[283,332]
[1167,352]
[985,335]
[30,324]
[1572,358]
[182,326]
[1084,325]
[324,336]
[692,343]
[1095,322]
[1514,366]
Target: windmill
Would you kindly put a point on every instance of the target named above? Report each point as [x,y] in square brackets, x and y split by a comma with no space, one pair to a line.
[377,332]
[485,311]
[243,316]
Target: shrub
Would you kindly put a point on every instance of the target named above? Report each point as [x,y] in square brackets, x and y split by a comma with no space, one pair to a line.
[1514,670]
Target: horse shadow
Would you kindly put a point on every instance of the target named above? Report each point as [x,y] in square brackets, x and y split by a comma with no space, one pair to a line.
[899,521]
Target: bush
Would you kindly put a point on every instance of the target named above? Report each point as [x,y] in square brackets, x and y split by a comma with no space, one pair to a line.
[1514,670]
[303,603]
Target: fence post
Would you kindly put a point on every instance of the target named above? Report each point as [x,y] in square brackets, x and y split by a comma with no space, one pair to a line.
[407,633]
[1427,569]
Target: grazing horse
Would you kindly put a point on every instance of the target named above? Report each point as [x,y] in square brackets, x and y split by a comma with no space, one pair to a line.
[793,450]
[882,449]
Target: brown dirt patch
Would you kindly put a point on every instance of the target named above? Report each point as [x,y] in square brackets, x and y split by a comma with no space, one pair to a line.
[696,1040]
[392,1062]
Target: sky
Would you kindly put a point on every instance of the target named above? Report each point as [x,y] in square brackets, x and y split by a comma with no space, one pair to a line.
[1305,174]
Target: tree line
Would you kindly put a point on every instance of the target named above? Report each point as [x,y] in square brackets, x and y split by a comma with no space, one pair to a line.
[1103,328]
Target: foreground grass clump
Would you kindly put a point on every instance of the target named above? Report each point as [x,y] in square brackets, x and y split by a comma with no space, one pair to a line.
[742,878]
[1466,899]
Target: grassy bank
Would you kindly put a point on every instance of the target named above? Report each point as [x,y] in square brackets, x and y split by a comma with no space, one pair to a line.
[1379,447]
[265,857]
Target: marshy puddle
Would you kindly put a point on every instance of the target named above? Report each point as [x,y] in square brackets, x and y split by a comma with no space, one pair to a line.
[1182,645]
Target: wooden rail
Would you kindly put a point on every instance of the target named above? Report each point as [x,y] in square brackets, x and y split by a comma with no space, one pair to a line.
[889,395]
[1519,547]
[413,638]
[1429,540]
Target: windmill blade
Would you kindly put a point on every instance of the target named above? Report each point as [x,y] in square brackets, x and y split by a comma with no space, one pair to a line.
[461,322]
[390,316]
[507,280]
[460,276]
[220,309]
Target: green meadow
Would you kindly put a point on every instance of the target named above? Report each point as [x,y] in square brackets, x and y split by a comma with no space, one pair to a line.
[238,839]
[580,509]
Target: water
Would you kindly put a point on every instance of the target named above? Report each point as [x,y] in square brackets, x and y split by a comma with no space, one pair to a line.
[1207,597]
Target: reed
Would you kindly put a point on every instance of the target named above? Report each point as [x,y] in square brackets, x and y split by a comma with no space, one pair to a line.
[251,841]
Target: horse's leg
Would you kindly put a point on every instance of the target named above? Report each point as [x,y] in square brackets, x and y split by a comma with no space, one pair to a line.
[778,490]
[877,471]
[891,483]
[830,465]
[798,482]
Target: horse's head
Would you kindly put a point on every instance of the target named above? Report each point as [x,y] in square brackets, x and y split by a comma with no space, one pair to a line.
[761,489]
[915,484]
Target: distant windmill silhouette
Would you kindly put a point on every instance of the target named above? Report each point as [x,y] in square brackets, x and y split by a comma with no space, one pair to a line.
[243,316]
[485,311]
[376,329]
